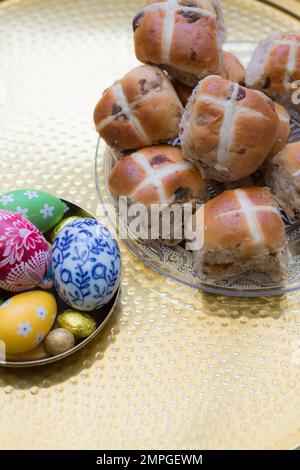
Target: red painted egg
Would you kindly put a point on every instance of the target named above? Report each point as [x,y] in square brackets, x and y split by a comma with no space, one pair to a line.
[25,255]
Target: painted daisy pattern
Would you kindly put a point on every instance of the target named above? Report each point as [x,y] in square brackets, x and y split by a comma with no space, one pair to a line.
[47,211]
[41,312]
[31,194]
[24,329]
[6,199]
[22,211]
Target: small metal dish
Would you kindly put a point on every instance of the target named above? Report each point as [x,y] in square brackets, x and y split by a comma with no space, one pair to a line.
[39,356]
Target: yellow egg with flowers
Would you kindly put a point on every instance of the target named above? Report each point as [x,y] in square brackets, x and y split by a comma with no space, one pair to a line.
[25,320]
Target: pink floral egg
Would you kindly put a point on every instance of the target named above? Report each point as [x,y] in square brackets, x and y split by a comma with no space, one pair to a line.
[25,255]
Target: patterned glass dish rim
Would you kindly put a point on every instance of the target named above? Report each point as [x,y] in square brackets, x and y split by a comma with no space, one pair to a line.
[106,313]
[176,262]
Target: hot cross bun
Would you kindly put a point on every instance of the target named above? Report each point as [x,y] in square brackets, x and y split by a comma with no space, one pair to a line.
[275,65]
[184,37]
[241,230]
[283,177]
[157,175]
[233,70]
[227,130]
[140,109]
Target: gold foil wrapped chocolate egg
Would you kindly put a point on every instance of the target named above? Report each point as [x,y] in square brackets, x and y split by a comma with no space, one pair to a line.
[61,225]
[79,324]
[59,341]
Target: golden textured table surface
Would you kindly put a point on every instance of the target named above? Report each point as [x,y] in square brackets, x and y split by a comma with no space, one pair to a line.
[175,368]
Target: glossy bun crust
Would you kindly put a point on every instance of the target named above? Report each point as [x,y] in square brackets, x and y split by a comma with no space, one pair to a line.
[284,129]
[140,109]
[275,65]
[243,230]
[227,130]
[233,70]
[183,37]
[157,175]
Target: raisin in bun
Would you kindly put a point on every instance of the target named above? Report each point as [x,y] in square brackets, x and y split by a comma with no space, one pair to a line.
[241,230]
[227,130]
[275,65]
[184,37]
[157,175]
[140,109]
[283,177]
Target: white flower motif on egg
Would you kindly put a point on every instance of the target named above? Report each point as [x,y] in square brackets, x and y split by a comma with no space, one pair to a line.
[41,312]
[21,328]
[47,211]
[44,210]
[24,329]
[6,199]
[31,194]
[21,211]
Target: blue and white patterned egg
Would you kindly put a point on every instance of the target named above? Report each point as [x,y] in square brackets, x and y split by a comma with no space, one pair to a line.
[86,264]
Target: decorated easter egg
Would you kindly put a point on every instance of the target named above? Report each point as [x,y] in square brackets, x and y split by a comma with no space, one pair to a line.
[25,255]
[86,264]
[26,319]
[58,228]
[39,352]
[42,209]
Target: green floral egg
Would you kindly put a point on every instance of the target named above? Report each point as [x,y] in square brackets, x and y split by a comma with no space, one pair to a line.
[43,209]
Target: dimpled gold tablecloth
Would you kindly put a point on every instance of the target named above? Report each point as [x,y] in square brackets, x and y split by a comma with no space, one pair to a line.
[175,368]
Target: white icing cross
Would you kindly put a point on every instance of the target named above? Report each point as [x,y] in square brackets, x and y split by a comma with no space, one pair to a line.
[249,210]
[231,110]
[283,117]
[131,105]
[292,58]
[156,175]
[171,7]
[126,109]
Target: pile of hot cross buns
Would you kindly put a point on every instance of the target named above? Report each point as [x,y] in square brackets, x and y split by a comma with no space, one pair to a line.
[230,126]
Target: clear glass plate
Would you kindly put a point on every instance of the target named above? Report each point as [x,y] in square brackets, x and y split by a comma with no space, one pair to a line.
[175,261]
